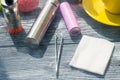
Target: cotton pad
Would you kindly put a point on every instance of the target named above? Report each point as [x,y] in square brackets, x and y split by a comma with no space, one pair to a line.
[92,54]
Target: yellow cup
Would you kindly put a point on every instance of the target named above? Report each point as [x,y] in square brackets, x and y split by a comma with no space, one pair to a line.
[113,6]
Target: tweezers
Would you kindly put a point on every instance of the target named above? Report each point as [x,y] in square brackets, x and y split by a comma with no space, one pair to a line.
[58,52]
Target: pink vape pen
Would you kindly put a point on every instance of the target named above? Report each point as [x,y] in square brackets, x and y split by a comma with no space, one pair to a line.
[69,18]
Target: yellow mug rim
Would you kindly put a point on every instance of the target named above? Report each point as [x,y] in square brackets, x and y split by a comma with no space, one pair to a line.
[96,10]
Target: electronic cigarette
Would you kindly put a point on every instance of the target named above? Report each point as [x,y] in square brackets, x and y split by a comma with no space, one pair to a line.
[69,18]
[41,24]
[11,15]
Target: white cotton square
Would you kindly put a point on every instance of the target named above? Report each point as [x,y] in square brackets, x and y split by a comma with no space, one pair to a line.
[92,54]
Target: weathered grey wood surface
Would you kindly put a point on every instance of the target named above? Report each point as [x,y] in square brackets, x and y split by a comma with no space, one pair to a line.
[18,62]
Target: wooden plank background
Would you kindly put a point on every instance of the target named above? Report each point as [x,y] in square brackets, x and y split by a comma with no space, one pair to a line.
[18,62]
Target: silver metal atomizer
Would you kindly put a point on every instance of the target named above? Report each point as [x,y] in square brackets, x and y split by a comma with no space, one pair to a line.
[11,15]
[42,23]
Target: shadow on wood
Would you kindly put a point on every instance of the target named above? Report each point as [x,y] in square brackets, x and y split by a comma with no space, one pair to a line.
[30,15]
[76,38]
[18,41]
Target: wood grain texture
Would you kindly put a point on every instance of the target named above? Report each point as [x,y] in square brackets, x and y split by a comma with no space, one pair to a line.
[18,62]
